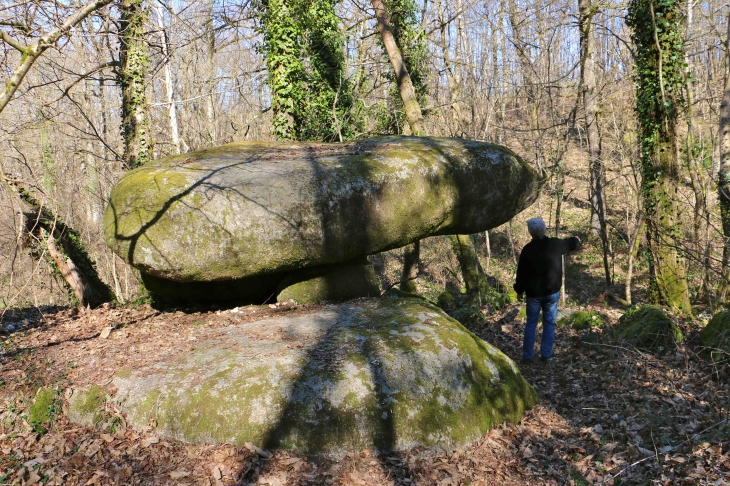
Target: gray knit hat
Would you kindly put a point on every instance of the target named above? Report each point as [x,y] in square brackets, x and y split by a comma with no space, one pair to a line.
[536,227]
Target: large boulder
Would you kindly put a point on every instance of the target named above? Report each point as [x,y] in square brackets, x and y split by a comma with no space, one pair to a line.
[385,374]
[260,208]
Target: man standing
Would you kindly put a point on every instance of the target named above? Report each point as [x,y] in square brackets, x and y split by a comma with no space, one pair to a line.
[540,275]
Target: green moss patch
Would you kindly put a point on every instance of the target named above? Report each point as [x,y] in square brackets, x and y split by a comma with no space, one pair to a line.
[581,320]
[334,283]
[650,328]
[41,411]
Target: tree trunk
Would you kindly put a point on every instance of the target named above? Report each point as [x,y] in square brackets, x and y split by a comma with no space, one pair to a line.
[659,65]
[134,64]
[633,250]
[692,153]
[597,172]
[451,73]
[169,89]
[403,79]
[411,256]
[662,224]
[467,255]
[723,184]
[210,84]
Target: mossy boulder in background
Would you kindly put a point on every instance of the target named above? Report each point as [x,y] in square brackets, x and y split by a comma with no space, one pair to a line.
[396,293]
[650,328]
[715,337]
[384,374]
[446,300]
[260,208]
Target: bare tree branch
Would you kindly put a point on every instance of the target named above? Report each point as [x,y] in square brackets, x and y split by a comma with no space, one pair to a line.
[30,54]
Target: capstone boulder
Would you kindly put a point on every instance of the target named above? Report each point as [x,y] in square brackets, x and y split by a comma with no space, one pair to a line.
[244,210]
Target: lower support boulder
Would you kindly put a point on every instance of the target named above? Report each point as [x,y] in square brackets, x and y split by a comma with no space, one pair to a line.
[339,282]
[385,374]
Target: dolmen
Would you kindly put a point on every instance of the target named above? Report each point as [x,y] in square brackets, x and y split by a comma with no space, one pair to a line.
[253,221]
[259,221]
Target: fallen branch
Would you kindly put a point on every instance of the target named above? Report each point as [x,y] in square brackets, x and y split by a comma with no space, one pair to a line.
[606,295]
[43,230]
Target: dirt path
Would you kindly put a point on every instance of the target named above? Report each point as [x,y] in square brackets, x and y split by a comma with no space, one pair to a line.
[607,413]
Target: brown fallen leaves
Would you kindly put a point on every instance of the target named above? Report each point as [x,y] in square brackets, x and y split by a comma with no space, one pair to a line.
[607,413]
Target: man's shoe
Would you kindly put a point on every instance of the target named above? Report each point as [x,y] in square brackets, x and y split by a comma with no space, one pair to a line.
[526,361]
[544,359]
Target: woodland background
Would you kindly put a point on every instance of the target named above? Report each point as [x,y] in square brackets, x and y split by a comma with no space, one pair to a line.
[556,81]
[625,107]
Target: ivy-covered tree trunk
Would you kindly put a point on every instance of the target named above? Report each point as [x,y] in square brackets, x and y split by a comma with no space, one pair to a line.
[304,52]
[659,39]
[134,64]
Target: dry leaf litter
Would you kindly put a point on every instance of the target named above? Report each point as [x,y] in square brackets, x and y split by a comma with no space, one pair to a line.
[608,414]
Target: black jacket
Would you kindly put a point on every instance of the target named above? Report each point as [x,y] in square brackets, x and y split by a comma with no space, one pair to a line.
[540,271]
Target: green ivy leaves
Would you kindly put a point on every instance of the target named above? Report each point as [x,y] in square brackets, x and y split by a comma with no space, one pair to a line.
[304,51]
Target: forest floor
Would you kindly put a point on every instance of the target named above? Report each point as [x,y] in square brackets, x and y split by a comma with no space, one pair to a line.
[608,414]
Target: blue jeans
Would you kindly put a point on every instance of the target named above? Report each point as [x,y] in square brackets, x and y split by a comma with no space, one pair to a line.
[549,306]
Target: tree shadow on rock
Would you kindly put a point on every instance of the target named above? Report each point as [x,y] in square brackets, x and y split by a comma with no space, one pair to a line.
[322,418]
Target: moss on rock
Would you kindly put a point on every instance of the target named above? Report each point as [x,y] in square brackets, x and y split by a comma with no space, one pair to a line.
[650,328]
[387,374]
[395,293]
[581,320]
[446,300]
[715,337]
[40,411]
[510,297]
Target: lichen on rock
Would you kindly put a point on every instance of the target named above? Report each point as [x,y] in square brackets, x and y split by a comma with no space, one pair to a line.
[387,374]
[85,405]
